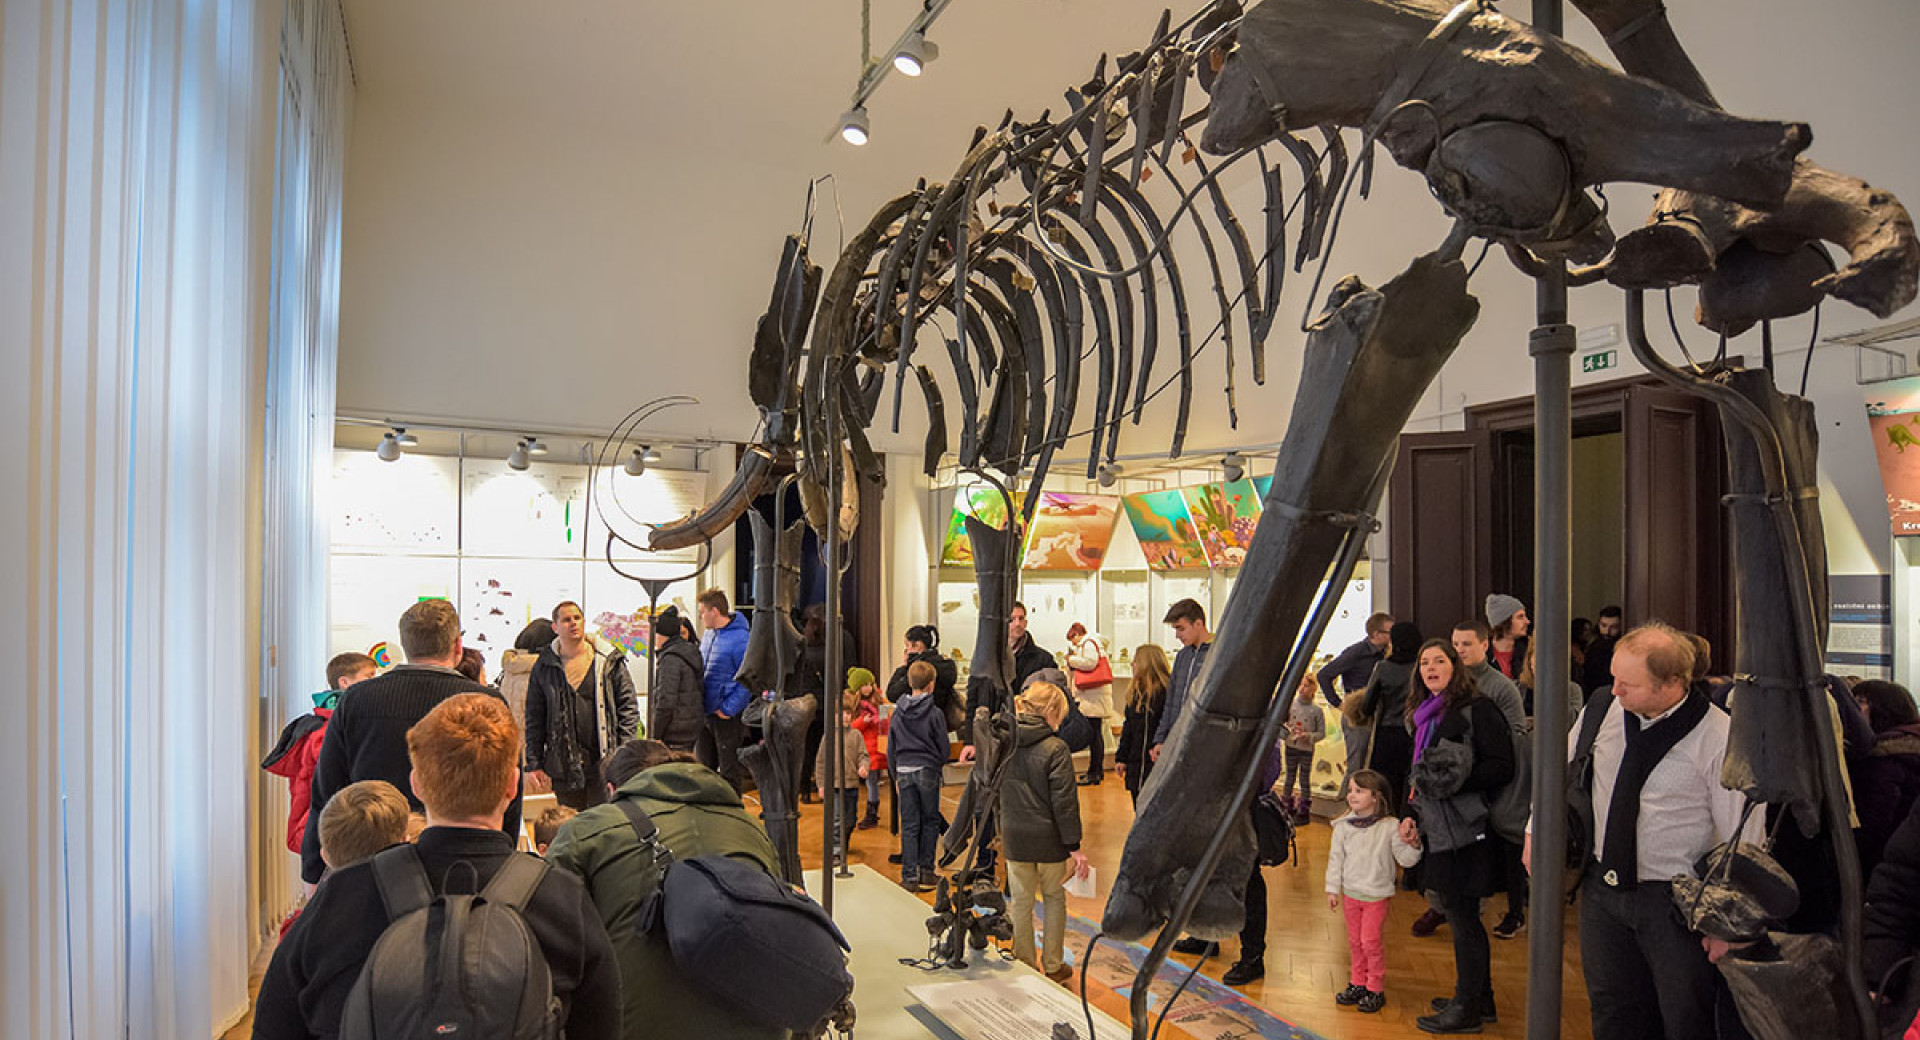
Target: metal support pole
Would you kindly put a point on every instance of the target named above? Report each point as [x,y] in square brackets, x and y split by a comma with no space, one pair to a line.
[1552,346]
[830,805]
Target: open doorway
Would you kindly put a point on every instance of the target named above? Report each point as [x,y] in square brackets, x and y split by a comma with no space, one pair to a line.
[1647,530]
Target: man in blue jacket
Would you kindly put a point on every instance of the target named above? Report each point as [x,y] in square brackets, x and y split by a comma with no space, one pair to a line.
[723,649]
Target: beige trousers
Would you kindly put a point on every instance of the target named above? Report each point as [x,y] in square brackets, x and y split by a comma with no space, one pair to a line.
[1048,882]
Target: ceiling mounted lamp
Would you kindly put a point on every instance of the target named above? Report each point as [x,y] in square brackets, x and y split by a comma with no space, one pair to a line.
[517,459]
[854,126]
[914,55]
[1233,466]
[637,463]
[406,440]
[389,449]
[535,446]
[1108,475]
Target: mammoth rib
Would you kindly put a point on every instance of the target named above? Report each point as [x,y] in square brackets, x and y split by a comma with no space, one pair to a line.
[833,323]
[1219,295]
[884,311]
[1066,348]
[1005,432]
[749,481]
[768,364]
[1275,256]
[1176,107]
[1366,364]
[969,404]
[1103,347]
[1315,198]
[1026,319]
[1249,277]
[1333,64]
[1177,288]
[936,448]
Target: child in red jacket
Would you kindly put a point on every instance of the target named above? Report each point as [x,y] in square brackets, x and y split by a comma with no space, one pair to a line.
[298,751]
[869,717]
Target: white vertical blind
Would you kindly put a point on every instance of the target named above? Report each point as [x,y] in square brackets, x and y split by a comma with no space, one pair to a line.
[314,111]
[136,180]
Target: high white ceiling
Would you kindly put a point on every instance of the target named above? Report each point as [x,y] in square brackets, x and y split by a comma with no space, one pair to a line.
[559,208]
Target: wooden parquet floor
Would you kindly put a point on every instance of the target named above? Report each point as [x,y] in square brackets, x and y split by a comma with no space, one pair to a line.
[1306,943]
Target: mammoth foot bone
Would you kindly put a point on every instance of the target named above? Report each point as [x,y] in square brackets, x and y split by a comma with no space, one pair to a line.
[1366,364]
[1304,63]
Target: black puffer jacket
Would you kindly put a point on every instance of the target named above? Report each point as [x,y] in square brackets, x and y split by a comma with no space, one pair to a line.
[1040,800]
[675,707]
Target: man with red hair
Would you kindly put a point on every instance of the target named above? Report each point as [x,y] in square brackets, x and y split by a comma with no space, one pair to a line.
[466,770]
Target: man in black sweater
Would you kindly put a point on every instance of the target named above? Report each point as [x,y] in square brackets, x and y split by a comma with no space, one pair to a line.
[367,738]
[466,755]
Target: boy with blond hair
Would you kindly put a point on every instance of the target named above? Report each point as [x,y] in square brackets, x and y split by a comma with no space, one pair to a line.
[360,821]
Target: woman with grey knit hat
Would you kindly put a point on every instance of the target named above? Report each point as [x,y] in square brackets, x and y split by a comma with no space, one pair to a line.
[1507,617]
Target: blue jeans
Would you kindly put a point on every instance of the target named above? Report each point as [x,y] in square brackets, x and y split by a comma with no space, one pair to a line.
[919,794]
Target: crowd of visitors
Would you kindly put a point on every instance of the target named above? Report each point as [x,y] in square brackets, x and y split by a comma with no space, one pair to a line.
[1439,740]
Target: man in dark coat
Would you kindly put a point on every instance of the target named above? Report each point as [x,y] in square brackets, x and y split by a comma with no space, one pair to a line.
[465,753]
[675,705]
[367,736]
[1028,658]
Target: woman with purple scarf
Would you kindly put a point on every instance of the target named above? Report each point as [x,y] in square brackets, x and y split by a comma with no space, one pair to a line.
[1462,755]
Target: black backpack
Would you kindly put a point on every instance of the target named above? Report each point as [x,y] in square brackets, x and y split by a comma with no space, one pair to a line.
[453,965]
[1273,832]
[745,937]
[1580,809]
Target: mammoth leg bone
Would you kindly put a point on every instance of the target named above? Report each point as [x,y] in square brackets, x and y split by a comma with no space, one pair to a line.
[775,764]
[1366,364]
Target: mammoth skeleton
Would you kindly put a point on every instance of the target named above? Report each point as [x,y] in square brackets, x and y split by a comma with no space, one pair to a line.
[1045,270]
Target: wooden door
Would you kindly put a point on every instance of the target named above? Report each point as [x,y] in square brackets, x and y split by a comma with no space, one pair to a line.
[1675,471]
[1440,528]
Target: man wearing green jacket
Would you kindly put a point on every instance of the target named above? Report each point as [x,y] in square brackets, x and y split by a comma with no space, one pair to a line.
[698,814]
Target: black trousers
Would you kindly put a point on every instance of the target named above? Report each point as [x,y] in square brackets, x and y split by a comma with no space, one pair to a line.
[1253,934]
[719,748]
[1472,957]
[1516,877]
[1646,974]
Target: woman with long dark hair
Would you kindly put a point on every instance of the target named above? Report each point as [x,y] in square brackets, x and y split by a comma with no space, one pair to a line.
[1463,754]
[1146,699]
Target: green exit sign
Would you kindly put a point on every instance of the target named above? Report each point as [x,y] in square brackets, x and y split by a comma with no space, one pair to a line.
[1599,361]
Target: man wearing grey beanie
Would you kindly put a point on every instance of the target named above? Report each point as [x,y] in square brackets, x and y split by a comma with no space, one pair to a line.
[1508,618]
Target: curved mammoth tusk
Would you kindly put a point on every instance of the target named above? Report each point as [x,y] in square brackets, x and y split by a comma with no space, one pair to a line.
[749,481]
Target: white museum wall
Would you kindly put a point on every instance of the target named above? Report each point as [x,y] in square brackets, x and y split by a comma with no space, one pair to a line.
[514,192]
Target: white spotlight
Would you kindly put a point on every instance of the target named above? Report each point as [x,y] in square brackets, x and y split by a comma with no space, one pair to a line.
[854,127]
[913,56]
[389,449]
[1233,466]
[535,446]
[636,463]
[407,440]
[1108,475]
[517,459]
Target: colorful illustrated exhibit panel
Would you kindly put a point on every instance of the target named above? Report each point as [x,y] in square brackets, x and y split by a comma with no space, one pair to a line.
[499,597]
[1165,529]
[1893,421]
[537,513]
[627,506]
[1224,516]
[369,593]
[983,503]
[1070,532]
[409,505]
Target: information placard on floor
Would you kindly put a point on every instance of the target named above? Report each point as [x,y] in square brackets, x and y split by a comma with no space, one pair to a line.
[1017,1007]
